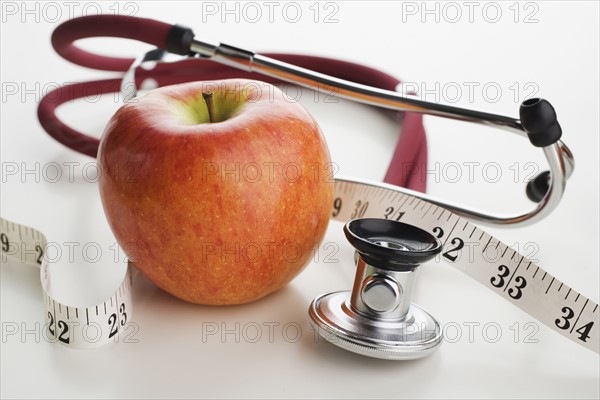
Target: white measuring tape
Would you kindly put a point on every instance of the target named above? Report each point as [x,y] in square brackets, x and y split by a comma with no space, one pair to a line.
[510,274]
[77,327]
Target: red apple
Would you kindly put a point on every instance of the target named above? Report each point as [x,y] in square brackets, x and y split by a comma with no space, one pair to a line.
[218,191]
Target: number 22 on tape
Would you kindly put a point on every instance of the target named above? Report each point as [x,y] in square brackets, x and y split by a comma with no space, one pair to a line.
[511,275]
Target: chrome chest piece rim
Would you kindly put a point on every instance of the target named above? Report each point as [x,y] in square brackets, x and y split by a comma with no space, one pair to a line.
[376,318]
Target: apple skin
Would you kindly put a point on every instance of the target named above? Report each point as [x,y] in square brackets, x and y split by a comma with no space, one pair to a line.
[183,215]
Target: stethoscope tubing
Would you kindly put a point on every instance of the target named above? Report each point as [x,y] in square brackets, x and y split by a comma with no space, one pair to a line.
[411,146]
[343,79]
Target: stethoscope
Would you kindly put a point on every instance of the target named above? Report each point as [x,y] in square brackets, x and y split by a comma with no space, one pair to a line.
[376,318]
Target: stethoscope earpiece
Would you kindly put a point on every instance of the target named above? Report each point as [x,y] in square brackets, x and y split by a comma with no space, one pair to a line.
[537,117]
[377,318]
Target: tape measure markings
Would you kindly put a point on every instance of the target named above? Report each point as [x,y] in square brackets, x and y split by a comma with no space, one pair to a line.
[510,275]
[67,324]
[533,290]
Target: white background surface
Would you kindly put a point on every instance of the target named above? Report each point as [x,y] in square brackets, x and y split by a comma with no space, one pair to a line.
[557,56]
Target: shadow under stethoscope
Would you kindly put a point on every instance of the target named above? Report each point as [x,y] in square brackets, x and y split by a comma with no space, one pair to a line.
[334,357]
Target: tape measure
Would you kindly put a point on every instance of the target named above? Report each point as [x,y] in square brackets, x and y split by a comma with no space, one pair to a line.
[77,327]
[466,247]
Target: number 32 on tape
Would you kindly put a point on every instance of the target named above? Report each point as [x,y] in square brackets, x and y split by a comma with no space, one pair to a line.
[77,327]
[511,275]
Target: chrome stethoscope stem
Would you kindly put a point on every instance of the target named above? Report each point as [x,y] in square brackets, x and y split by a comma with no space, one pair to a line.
[557,154]
[251,62]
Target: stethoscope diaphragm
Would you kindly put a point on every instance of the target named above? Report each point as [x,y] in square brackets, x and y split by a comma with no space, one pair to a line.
[377,318]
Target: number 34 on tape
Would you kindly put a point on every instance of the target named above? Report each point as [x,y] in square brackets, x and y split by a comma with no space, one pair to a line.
[511,275]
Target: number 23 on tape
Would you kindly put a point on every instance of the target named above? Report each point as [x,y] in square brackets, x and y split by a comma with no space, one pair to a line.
[510,275]
[77,327]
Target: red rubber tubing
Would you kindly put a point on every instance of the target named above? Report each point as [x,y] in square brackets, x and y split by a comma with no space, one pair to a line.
[118,26]
[62,132]
[411,150]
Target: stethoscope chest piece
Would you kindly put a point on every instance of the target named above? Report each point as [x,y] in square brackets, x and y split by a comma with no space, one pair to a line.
[376,318]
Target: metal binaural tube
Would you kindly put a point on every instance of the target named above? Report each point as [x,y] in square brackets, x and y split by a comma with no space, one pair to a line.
[558,155]
[251,62]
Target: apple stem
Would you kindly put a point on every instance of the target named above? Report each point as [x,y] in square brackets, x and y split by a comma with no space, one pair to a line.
[210,105]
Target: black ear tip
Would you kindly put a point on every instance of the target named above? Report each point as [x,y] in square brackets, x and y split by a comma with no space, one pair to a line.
[539,120]
[533,101]
[538,187]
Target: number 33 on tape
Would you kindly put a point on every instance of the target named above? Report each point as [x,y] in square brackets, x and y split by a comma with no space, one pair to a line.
[510,275]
